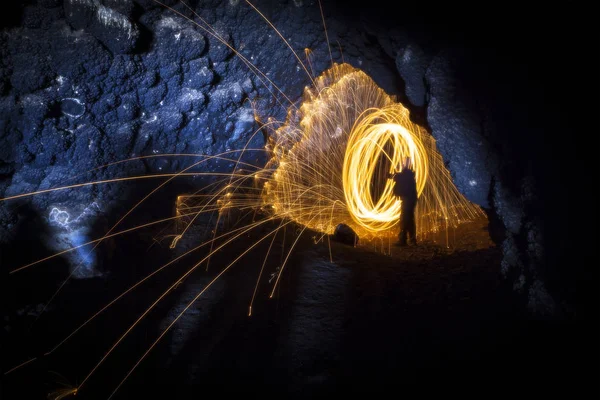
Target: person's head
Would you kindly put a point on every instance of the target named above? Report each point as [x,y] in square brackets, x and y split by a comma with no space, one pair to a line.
[406,164]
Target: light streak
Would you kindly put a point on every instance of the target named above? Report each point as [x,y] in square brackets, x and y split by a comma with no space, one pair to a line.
[335,154]
[158,300]
[257,72]
[189,305]
[70,249]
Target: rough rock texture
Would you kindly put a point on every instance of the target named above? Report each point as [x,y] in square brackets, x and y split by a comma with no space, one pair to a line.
[84,83]
[412,64]
[113,29]
[456,125]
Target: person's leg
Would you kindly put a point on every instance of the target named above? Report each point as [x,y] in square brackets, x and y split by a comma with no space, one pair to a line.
[412,229]
[402,236]
[403,229]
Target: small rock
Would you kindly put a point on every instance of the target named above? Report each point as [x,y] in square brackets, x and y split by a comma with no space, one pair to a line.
[346,235]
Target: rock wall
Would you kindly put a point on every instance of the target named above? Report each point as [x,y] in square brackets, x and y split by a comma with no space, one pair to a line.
[84,83]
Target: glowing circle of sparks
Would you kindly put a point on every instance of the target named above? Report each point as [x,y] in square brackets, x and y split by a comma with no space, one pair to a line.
[365,147]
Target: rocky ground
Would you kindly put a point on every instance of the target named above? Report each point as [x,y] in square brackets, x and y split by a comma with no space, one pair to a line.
[437,317]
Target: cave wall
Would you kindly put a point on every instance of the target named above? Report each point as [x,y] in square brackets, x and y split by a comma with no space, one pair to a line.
[89,82]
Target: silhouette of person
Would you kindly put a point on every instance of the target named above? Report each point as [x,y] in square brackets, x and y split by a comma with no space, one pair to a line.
[405,187]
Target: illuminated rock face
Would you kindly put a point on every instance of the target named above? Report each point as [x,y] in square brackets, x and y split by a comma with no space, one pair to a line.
[88,82]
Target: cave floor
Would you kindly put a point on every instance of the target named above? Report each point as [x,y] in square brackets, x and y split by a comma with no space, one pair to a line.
[433,318]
